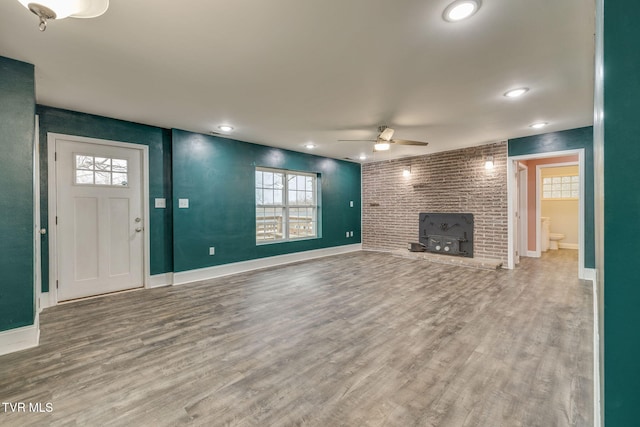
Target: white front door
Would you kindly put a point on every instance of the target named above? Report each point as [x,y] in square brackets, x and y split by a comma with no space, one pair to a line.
[99,219]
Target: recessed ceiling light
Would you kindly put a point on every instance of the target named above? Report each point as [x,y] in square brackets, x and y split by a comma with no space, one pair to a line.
[363,157]
[461,9]
[225,128]
[538,125]
[514,93]
[310,145]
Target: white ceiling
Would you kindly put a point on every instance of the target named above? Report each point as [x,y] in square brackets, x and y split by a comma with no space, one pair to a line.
[286,72]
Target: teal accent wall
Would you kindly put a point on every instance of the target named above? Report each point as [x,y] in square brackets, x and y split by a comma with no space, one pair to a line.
[17,109]
[159,142]
[567,140]
[217,176]
[621,213]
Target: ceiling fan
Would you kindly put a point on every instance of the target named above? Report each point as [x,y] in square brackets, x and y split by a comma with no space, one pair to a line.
[383,141]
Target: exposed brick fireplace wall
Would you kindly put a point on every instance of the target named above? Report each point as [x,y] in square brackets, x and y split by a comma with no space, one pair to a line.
[451,181]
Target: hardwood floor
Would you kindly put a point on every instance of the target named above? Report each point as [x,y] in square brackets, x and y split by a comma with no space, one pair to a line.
[363,339]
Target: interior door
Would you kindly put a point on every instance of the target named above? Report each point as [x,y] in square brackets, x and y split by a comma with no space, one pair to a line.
[99,219]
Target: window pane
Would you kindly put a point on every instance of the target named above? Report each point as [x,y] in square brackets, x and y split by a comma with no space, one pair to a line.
[103,178]
[277,197]
[84,177]
[575,194]
[301,182]
[546,180]
[259,198]
[268,197]
[556,194]
[291,182]
[102,163]
[575,179]
[84,162]
[566,187]
[546,194]
[575,186]
[566,179]
[267,179]
[119,165]
[292,197]
[278,180]
[119,179]
[309,183]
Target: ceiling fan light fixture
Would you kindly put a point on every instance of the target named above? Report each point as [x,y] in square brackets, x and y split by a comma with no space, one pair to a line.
[381,146]
[460,10]
[60,9]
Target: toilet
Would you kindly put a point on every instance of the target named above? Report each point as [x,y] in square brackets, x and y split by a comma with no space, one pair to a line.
[554,239]
[549,240]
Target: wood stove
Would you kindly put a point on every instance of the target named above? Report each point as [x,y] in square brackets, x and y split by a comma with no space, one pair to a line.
[447,233]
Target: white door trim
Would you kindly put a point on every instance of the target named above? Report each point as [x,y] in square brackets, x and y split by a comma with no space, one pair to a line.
[52,192]
[511,166]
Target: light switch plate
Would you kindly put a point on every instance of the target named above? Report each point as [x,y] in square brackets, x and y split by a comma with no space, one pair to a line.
[351,203]
[160,203]
[183,203]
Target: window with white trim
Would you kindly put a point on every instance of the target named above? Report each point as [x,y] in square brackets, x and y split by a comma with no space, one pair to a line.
[560,187]
[286,205]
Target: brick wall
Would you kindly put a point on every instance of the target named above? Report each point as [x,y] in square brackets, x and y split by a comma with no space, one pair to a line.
[451,181]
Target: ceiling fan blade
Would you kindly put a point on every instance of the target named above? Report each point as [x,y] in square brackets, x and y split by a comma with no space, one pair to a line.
[407,142]
[386,134]
[356,140]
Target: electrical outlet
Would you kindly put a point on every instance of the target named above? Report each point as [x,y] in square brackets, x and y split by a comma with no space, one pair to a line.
[212,250]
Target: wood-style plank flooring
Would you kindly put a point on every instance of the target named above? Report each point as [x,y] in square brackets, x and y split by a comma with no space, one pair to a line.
[364,339]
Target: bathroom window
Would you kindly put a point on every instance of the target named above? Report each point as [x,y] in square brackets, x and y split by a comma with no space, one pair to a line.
[560,187]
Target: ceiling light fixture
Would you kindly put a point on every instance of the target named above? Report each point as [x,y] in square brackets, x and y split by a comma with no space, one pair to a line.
[538,125]
[310,145]
[363,157]
[515,93]
[381,146]
[60,9]
[461,9]
[225,128]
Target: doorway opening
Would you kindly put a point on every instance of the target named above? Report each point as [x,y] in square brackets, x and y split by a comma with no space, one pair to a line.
[525,219]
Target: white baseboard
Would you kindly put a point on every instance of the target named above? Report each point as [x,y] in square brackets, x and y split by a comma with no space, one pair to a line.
[45,300]
[255,264]
[533,254]
[589,274]
[160,280]
[20,338]
[568,246]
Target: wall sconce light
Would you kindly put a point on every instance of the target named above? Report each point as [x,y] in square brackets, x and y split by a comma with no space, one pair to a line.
[406,171]
[488,164]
